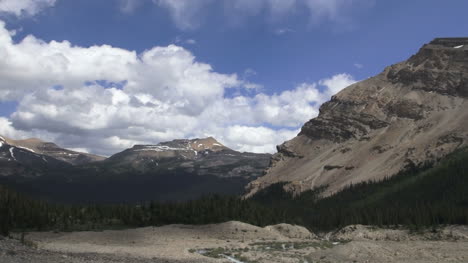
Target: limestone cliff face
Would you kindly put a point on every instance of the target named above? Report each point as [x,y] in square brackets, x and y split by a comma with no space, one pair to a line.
[413,112]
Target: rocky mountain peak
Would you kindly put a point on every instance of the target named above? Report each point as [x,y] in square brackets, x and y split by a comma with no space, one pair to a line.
[209,143]
[450,42]
[39,147]
[440,66]
[411,113]
[31,144]
[190,145]
[31,140]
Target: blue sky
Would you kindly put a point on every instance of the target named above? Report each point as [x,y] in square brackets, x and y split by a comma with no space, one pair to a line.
[276,49]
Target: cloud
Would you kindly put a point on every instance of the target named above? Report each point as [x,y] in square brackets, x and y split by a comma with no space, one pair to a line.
[32,64]
[7,129]
[24,7]
[189,14]
[252,86]
[336,83]
[283,31]
[189,41]
[249,72]
[256,139]
[324,9]
[104,99]
[358,65]
[129,6]
[280,8]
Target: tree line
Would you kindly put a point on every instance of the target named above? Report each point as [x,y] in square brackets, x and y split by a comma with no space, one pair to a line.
[418,197]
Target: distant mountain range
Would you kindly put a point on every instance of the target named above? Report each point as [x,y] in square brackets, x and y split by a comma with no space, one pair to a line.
[175,170]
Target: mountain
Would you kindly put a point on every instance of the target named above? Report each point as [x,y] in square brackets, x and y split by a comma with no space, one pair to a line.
[16,159]
[198,156]
[33,157]
[168,171]
[52,150]
[414,112]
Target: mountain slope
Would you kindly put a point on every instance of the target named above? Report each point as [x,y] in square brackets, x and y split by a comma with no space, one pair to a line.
[197,156]
[425,196]
[18,160]
[413,112]
[52,150]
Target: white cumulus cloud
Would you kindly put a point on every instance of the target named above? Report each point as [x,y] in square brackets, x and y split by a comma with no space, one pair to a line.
[336,83]
[256,139]
[104,99]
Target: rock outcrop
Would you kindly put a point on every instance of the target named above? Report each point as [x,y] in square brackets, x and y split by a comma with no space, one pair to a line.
[412,113]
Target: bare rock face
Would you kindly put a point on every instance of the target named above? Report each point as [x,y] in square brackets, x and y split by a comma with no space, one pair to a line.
[413,112]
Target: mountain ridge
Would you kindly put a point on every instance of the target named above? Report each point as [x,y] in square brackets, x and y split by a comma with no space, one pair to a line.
[53,150]
[177,170]
[413,112]
[201,156]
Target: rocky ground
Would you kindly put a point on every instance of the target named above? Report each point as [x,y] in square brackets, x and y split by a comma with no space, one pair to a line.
[239,242]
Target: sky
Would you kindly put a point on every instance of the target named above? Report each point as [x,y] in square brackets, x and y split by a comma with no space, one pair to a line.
[102,76]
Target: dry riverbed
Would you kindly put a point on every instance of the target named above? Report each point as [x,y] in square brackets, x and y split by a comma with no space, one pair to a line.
[239,242]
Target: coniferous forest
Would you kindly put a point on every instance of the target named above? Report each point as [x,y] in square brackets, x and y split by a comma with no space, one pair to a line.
[418,197]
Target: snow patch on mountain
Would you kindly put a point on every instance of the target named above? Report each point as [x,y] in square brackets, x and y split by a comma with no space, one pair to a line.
[26,148]
[161,148]
[12,154]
